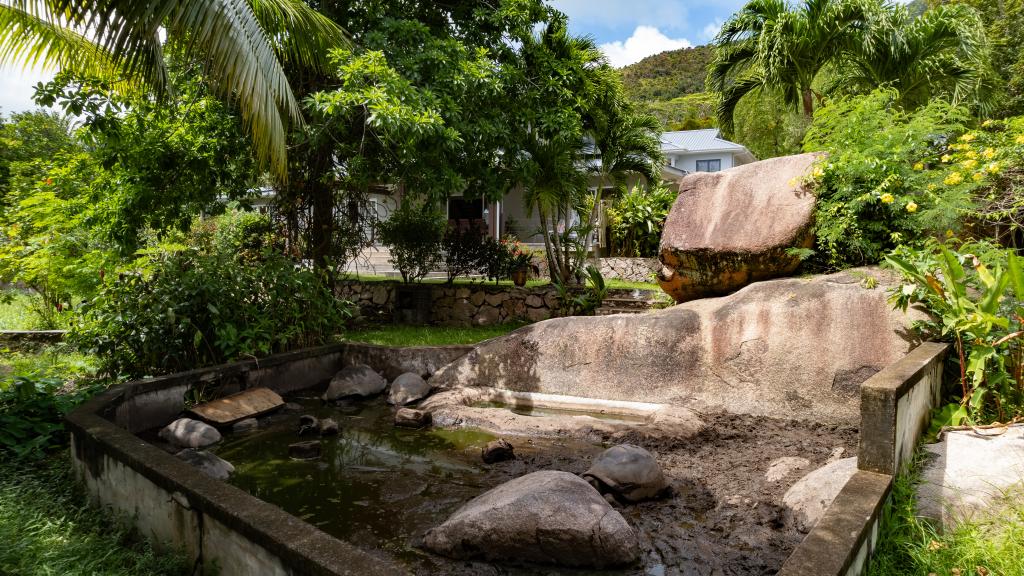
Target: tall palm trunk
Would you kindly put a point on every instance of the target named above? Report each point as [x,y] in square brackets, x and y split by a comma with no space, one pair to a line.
[808,101]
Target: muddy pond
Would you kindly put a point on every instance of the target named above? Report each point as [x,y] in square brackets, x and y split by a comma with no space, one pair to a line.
[381,488]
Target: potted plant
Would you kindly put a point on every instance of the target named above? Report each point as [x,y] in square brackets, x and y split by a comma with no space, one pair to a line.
[519,261]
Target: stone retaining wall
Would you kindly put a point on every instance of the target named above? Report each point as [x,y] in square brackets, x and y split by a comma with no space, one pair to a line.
[458,305]
[630,269]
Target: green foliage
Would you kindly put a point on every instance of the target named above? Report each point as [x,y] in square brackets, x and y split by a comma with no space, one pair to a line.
[414,235]
[576,302]
[32,414]
[870,196]
[669,75]
[689,112]
[46,361]
[768,126]
[1004,25]
[909,544]
[465,250]
[967,294]
[179,309]
[27,136]
[637,217]
[48,527]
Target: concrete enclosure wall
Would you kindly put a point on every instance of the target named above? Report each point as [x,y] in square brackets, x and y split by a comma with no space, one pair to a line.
[223,529]
[895,407]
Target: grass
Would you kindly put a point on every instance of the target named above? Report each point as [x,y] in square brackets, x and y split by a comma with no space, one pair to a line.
[51,361]
[47,528]
[16,311]
[401,336]
[908,545]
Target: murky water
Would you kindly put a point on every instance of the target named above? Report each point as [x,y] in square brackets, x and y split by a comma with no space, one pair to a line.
[375,485]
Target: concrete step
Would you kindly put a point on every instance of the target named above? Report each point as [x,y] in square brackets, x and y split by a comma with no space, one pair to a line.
[608,311]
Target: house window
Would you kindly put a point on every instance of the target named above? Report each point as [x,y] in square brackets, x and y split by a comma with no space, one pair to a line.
[709,165]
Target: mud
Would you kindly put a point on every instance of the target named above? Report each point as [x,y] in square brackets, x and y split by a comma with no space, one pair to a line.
[381,488]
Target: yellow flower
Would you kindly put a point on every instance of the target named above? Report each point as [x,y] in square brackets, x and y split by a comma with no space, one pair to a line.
[977,176]
[911,207]
[972,154]
[953,179]
[932,186]
[970,163]
[887,198]
[818,173]
[949,233]
[946,158]
[992,168]
[919,166]
[1020,139]
[969,137]
[988,154]
[987,123]
[793,182]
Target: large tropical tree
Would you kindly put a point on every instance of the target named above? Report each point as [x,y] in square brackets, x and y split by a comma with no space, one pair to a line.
[242,42]
[772,45]
[942,52]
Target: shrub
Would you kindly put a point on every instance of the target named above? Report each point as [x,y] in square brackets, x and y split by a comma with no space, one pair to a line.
[966,292]
[870,197]
[413,234]
[637,218]
[465,250]
[182,309]
[32,414]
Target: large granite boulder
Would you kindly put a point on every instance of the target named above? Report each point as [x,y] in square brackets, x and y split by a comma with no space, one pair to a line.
[355,380]
[810,497]
[784,348]
[969,474]
[730,228]
[547,517]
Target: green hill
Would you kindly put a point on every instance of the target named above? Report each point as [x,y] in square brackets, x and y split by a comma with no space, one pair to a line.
[667,75]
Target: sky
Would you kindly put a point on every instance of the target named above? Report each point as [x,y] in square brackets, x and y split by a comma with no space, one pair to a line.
[626,30]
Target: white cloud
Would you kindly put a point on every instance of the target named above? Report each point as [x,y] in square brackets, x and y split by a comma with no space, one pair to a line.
[712,30]
[16,88]
[645,41]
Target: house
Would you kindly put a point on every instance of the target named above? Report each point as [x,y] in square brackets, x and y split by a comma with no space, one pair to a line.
[685,152]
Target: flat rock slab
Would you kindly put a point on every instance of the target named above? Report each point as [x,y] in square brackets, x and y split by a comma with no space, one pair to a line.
[245,404]
[969,473]
[810,497]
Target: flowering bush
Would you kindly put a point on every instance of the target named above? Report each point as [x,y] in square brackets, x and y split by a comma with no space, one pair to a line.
[893,177]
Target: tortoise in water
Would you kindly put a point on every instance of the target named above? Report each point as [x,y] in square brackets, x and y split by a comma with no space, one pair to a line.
[629,473]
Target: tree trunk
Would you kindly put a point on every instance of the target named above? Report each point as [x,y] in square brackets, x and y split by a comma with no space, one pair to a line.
[808,101]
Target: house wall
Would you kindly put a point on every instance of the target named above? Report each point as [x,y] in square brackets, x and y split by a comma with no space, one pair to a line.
[688,162]
[513,206]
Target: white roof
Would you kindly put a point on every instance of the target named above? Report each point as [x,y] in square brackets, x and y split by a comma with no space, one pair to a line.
[707,140]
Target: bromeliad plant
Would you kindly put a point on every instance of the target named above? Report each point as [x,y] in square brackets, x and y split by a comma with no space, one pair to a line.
[968,293]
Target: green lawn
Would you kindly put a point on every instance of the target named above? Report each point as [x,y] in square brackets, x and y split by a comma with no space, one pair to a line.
[16,311]
[401,336]
[47,528]
[50,361]
[910,546]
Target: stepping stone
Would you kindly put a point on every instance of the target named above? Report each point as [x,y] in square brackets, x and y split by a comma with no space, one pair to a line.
[246,404]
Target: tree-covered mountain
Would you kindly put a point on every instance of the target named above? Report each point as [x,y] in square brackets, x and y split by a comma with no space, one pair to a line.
[668,75]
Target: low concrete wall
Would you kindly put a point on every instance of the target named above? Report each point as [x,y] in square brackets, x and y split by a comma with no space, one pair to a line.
[223,529]
[895,407]
[31,337]
[391,362]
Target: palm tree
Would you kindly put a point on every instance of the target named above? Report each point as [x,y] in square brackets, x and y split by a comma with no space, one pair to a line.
[628,143]
[242,42]
[769,45]
[942,52]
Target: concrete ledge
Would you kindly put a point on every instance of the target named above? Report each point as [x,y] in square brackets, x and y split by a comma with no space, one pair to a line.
[895,407]
[18,337]
[844,538]
[224,529]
